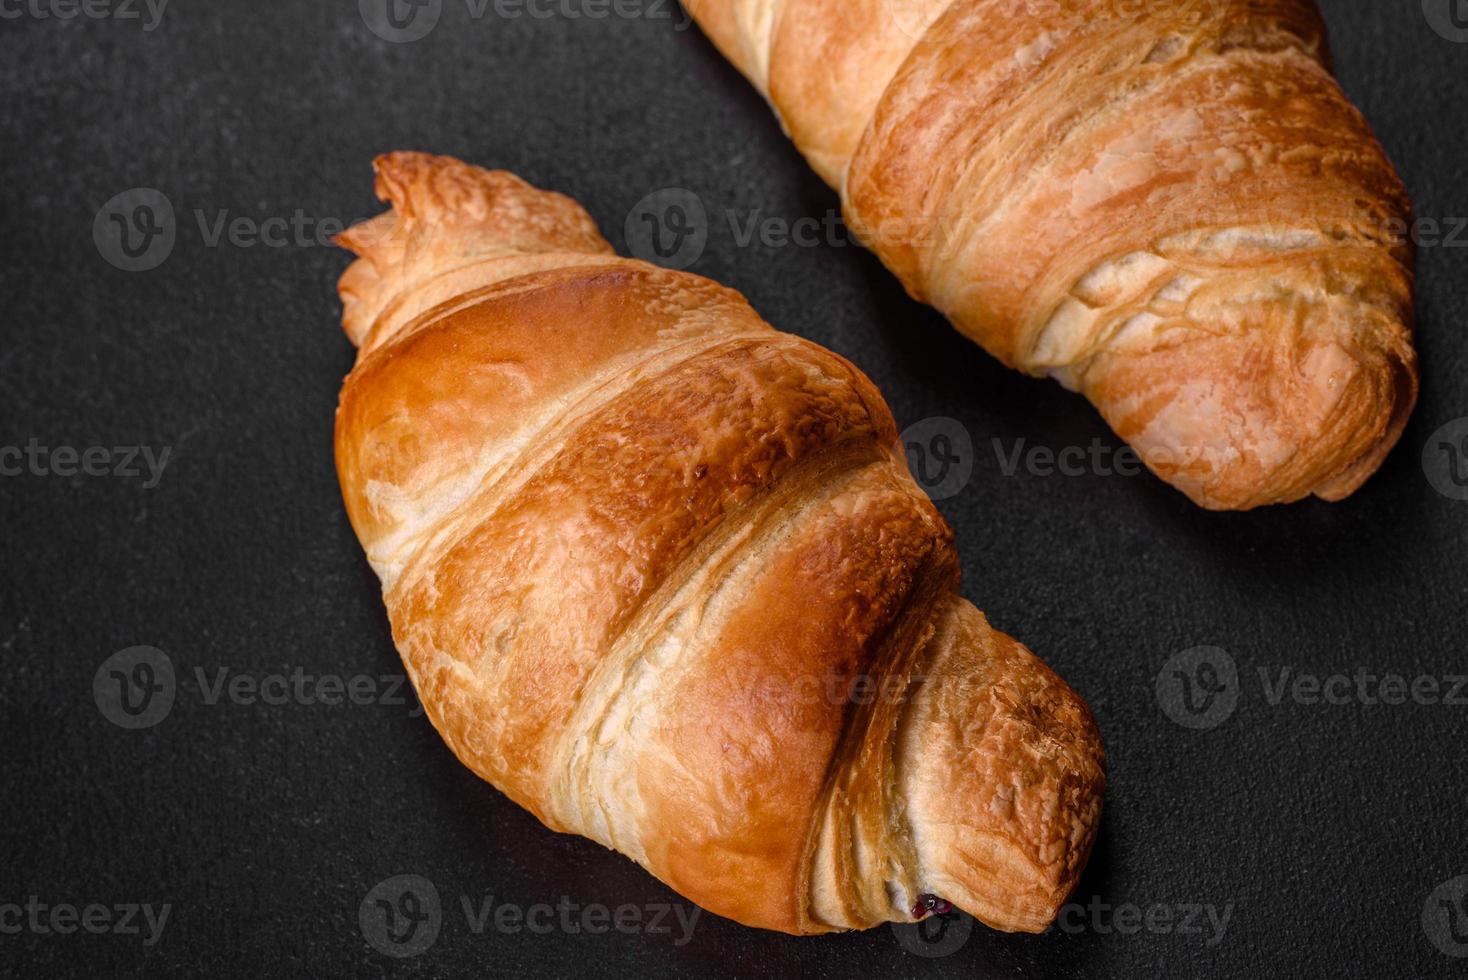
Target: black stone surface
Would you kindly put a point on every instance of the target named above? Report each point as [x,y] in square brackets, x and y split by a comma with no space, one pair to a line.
[1331,834]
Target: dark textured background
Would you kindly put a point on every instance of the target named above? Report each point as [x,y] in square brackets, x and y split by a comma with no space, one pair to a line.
[1324,829]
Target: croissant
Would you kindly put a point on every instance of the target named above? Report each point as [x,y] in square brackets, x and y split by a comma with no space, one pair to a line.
[1167,205]
[658,572]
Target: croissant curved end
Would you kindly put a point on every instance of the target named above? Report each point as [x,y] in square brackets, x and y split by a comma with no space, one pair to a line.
[1004,772]
[1291,405]
[447,215]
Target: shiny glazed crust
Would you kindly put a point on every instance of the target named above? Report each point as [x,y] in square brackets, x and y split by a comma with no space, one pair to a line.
[1167,205]
[659,573]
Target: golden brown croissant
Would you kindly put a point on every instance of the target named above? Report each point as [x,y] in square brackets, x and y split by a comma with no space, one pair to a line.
[1168,205]
[659,573]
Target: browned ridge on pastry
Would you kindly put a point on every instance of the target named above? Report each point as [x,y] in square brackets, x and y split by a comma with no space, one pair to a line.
[1167,205]
[659,573]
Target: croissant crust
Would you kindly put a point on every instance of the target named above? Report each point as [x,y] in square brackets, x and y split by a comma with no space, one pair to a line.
[1170,207]
[658,572]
